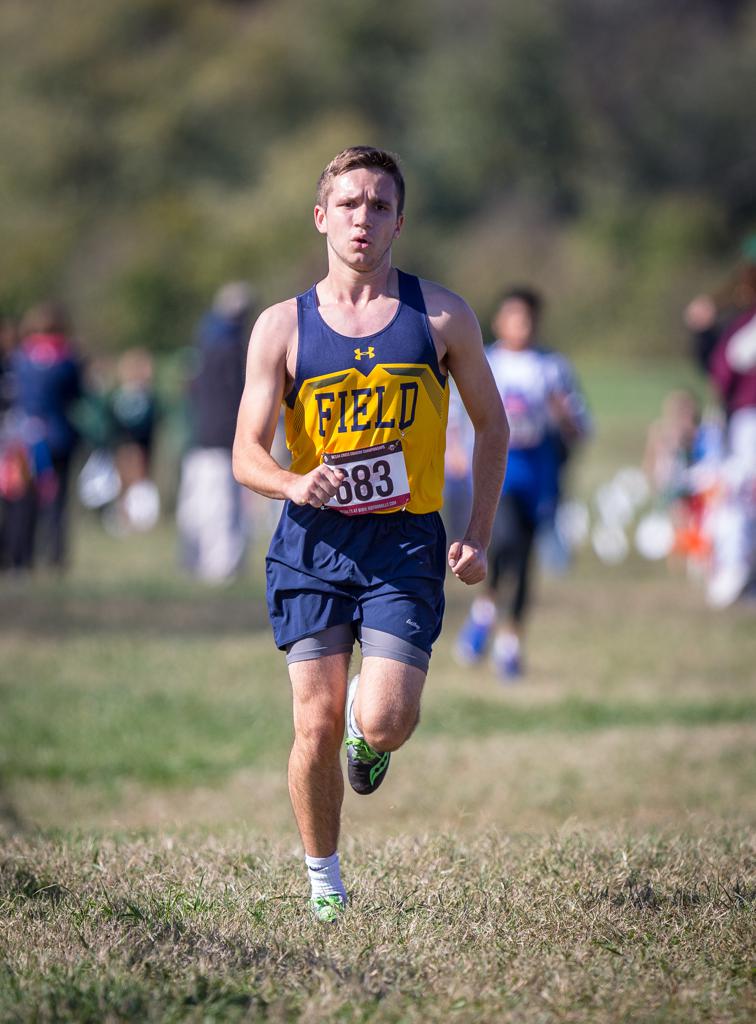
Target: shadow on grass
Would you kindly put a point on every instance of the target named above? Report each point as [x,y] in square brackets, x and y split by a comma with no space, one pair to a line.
[62,613]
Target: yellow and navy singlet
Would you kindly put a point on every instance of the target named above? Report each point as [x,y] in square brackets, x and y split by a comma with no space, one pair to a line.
[353,393]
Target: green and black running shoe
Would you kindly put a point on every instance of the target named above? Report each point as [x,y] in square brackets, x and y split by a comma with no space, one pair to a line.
[327,908]
[366,767]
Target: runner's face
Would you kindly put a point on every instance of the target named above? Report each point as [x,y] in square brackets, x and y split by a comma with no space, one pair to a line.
[360,219]
[514,323]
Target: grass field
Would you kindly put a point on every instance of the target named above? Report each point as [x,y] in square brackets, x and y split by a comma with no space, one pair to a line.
[578,847]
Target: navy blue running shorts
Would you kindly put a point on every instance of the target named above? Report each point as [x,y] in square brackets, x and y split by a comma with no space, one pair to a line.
[383,572]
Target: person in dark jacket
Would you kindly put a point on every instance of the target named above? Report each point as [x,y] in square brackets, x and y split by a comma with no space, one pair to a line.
[211,523]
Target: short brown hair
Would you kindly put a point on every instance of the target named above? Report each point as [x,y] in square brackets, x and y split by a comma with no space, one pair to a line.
[362,156]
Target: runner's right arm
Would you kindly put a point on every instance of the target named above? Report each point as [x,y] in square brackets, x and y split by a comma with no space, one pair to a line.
[273,338]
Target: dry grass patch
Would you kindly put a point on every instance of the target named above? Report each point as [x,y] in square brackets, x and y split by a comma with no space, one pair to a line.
[572,927]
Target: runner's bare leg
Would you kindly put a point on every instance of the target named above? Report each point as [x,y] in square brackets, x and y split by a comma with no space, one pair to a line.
[387,704]
[316,782]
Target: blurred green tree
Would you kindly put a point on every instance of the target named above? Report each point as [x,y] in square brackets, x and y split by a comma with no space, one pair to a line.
[151,148]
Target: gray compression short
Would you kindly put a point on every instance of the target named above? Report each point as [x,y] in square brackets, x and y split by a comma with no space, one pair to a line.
[340,640]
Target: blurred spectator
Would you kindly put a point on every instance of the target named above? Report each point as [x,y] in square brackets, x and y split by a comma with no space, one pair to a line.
[27,484]
[210,515]
[673,444]
[46,382]
[733,372]
[532,388]
[14,466]
[93,416]
[708,317]
[132,414]
[682,463]
[724,333]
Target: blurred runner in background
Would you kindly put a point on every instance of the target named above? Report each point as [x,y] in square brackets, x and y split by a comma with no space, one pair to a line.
[539,400]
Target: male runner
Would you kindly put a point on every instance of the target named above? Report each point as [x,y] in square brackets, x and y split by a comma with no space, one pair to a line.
[360,362]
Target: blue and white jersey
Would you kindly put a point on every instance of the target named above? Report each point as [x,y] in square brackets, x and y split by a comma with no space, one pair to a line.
[526,381]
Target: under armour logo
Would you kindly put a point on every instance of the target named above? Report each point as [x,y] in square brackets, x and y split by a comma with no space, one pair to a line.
[369,352]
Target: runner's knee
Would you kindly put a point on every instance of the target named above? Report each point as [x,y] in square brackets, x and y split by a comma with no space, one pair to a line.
[389,705]
[321,734]
[386,730]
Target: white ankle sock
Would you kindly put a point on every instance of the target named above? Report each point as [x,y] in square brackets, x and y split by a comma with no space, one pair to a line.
[325,876]
[507,645]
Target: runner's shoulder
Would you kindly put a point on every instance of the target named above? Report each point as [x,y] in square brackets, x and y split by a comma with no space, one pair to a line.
[276,326]
[447,310]
[281,316]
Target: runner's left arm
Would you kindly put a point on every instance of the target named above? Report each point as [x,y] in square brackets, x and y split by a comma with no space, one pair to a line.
[459,331]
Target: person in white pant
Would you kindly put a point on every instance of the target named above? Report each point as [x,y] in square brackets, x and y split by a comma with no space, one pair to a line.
[213,528]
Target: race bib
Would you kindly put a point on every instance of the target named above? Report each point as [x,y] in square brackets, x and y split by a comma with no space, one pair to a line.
[375,481]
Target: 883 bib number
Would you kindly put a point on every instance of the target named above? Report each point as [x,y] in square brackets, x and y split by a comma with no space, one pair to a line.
[375,479]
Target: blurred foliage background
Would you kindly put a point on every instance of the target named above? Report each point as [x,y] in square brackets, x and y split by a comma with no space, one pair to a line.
[150,149]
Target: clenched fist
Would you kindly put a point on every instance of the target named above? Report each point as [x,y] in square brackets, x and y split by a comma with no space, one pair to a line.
[468,561]
[317,487]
